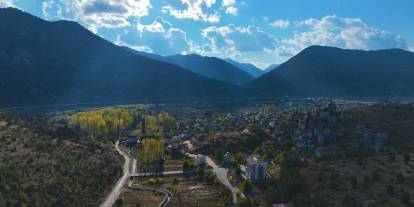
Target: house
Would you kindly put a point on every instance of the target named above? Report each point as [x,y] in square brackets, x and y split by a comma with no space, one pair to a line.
[228,159]
[330,151]
[302,144]
[375,141]
[245,131]
[324,114]
[200,160]
[260,116]
[256,168]
[131,141]
[272,124]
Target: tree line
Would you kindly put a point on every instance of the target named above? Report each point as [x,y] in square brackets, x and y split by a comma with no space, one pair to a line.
[103,122]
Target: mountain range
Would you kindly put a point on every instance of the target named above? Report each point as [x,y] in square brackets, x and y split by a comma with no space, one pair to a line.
[43,62]
[335,72]
[247,67]
[209,67]
[212,67]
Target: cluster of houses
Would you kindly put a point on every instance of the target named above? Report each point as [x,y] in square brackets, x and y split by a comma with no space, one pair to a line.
[318,129]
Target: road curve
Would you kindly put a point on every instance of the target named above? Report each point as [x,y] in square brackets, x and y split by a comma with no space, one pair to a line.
[113,195]
[221,174]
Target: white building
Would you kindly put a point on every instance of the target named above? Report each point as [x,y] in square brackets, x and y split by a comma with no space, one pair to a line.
[256,168]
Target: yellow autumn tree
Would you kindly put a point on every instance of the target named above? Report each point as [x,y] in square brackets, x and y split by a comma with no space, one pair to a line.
[151,150]
[102,122]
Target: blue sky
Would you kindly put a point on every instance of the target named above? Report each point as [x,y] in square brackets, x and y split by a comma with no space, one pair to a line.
[261,32]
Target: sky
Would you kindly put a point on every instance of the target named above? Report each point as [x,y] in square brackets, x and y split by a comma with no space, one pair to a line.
[261,32]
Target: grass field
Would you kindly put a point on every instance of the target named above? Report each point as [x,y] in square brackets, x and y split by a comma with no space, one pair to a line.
[134,198]
[197,194]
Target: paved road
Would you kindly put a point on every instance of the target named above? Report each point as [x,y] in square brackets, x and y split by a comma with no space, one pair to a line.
[111,198]
[167,193]
[149,174]
[221,174]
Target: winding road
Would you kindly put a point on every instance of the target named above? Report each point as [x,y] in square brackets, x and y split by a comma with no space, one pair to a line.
[113,195]
[111,198]
[221,174]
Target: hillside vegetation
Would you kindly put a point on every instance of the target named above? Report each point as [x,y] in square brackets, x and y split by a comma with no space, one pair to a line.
[49,165]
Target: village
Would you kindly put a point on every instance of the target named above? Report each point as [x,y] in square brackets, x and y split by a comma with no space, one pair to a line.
[244,155]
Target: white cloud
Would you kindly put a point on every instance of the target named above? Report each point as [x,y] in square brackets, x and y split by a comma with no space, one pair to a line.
[351,33]
[210,3]
[232,10]
[226,3]
[6,3]
[195,10]
[235,40]
[46,7]
[159,37]
[97,14]
[280,24]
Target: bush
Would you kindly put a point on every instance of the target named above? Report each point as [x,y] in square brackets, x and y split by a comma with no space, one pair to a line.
[375,176]
[390,190]
[400,178]
[405,198]
[246,186]
[366,182]
[354,182]
[407,158]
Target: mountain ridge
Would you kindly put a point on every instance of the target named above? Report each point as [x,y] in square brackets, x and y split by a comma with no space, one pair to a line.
[212,67]
[331,71]
[44,62]
[246,67]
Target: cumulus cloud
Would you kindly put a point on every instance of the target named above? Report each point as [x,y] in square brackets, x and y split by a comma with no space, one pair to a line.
[231,10]
[6,3]
[226,3]
[159,37]
[195,10]
[97,14]
[351,33]
[282,24]
[229,7]
[235,40]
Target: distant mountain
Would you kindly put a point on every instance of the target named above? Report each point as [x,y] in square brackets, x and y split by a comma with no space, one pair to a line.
[246,67]
[334,72]
[147,54]
[212,67]
[271,67]
[62,62]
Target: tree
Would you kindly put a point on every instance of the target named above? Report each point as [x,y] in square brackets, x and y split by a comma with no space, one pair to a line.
[166,121]
[354,182]
[143,126]
[375,176]
[366,182]
[246,186]
[188,167]
[151,124]
[219,154]
[200,173]
[318,201]
[405,197]
[119,202]
[390,190]
[407,158]
[151,150]
[400,178]
[103,122]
